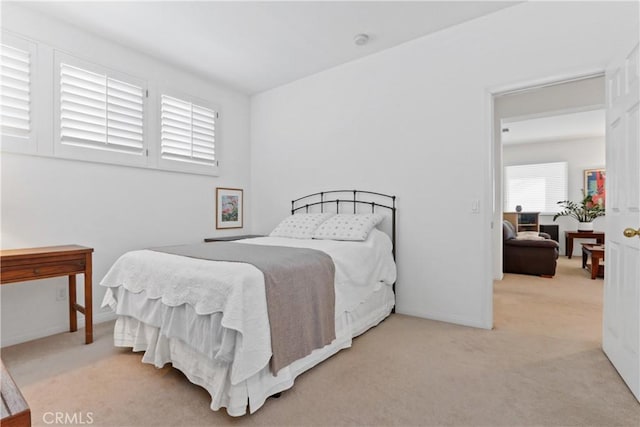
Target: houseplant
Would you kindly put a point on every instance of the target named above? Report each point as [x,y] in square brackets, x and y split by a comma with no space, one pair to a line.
[584,211]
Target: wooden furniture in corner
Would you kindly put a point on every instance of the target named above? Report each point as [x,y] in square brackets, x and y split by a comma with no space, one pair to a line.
[14,410]
[19,265]
[523,221]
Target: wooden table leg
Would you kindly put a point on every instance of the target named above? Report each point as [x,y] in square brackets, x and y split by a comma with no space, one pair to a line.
[88,301]
[569,246]
[584,257]
[73,315]
[595,266]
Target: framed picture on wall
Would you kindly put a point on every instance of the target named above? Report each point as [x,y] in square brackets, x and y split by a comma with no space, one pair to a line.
[594,180]
[228,208]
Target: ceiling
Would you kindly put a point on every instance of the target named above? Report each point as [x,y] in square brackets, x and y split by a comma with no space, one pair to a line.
[585,124]
[255,46]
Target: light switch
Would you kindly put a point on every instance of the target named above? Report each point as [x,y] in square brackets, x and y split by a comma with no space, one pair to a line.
[475,206]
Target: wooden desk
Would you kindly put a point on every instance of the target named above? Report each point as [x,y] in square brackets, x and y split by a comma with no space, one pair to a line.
[570,235]
[15,411]
[19,265]
[596,252]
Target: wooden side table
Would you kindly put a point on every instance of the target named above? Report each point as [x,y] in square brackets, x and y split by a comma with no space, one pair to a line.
[570,235]
[596,252]
[232,238]
[19,265]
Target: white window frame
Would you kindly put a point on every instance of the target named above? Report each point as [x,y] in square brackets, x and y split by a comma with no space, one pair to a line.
[180,166]
[89,153]
[45,120]
[29,144]
[552,205]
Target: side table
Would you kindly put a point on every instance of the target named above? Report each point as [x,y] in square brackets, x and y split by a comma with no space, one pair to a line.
[232,238]
[570,235]
[596,252]
[20,265]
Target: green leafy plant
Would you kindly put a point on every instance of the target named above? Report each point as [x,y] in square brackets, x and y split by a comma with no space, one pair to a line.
[584,211]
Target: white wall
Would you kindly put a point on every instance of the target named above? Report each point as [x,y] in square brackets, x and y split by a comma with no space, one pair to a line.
[414,121]
[580,154]
[47,201]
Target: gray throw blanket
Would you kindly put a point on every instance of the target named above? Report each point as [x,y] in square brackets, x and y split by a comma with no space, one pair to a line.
[299,285]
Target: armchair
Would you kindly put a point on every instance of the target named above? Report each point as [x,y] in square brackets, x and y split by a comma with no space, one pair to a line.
[536,257]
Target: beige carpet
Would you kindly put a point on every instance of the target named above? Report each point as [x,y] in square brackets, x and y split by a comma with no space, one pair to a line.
[541,366]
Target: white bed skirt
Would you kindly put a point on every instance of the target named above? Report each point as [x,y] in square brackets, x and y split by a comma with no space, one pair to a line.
[161,346]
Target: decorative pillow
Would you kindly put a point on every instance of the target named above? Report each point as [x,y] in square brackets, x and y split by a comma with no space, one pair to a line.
[529,235]
[348,227]
[300,226]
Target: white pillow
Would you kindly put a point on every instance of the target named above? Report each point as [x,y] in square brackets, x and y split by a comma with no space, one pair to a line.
[529,235]
[300,226]
[348,227]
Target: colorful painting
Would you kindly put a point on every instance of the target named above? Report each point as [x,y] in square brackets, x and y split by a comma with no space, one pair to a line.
[228,208]
[594,185]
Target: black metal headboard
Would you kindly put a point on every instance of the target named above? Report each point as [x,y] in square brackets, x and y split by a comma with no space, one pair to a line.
[357,198]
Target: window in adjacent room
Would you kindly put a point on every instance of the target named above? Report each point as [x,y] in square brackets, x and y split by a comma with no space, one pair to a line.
[16,81]
[535,187]
[187,135]
[100,113]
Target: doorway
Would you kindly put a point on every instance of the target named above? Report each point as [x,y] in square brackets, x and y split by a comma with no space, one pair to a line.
[547,137]
[528,114]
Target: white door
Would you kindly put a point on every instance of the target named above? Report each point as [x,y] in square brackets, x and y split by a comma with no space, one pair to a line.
[621,318]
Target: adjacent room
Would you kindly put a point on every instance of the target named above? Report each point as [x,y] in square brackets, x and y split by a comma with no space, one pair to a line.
[553,140]
[292,213]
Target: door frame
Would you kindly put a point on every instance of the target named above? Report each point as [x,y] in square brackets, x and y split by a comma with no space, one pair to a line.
[493,177]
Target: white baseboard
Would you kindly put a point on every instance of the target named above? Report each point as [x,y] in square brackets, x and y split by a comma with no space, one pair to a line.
[99,317]
[458,320]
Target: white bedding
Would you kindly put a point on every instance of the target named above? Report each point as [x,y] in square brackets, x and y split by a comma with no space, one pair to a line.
[229,299]
[161,346]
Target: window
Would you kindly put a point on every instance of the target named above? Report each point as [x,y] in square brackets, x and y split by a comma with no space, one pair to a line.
[16,92]
[536,187]
[16,80]
[101,116]
[90,112]
[99,112]
[187,133]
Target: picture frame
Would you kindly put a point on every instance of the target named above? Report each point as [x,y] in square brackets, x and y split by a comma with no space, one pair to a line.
[594,184]
[229,208]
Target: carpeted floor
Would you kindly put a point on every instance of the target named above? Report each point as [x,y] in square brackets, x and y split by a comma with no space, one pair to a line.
[541,366]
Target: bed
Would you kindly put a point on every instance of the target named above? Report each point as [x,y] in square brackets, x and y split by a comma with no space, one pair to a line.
[210,317]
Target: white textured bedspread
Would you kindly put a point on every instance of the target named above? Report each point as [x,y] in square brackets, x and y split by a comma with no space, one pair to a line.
[237,290]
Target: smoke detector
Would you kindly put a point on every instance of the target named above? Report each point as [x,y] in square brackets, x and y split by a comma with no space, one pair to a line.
[361,39]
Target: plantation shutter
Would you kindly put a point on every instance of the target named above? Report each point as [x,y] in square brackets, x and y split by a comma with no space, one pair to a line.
[15,83]
[187,132]
[100,112]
